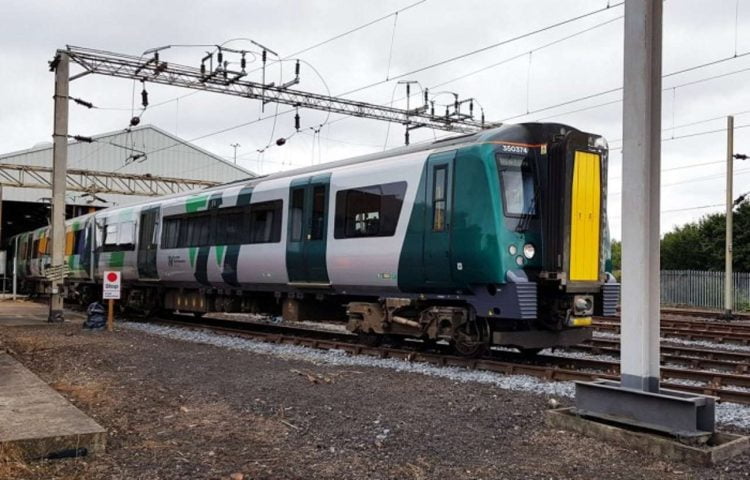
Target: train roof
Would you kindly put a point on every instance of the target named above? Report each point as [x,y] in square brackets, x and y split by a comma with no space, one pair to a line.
[493,134]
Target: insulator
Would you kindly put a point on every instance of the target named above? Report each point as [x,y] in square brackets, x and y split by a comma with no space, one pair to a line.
[156,57]
[264,55]
[220,56]
[426,95]
[432,108]
[471,108]
[203,68]
[81,138]
[483,119]
[83,102]
[408,90]
[446,110]
[406,136]
[144,97]
[296,69]
[243,61]
[296,121]
[455,103]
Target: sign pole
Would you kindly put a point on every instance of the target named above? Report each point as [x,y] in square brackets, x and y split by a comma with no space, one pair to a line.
[111,286]
[110,314]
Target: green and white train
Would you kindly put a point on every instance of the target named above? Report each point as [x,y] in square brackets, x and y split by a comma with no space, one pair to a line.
[497,237]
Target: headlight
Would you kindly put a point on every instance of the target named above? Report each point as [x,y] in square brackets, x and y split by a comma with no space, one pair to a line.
[519,261]
[512,249]
[528,251]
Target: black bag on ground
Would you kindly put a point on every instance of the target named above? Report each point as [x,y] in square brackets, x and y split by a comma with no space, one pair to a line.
[95,317]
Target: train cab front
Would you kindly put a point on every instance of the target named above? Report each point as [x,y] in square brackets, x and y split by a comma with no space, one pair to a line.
[553,190]
[575,232]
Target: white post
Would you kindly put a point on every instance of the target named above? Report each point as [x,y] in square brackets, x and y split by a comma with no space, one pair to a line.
[641,165]
[728,280]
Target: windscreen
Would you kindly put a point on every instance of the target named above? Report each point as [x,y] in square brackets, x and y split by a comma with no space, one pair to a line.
[517,184]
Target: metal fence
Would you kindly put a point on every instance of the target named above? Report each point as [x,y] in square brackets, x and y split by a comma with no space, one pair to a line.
[703,289]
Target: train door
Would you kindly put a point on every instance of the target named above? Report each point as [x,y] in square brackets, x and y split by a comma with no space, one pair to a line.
[147,243]
[83,249]
[437,232]
[307,230]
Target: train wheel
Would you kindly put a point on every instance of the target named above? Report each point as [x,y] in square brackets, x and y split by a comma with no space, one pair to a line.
[472,339]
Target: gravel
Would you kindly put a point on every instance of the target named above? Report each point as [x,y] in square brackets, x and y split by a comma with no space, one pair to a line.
[727,413]
[340,358]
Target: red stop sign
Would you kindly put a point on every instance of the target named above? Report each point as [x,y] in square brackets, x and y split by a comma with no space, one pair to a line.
[111,277]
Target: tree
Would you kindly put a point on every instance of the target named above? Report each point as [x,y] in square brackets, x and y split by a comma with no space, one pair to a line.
[616,252]
[700,245]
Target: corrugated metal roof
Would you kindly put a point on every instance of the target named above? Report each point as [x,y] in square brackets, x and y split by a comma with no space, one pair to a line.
[166,155]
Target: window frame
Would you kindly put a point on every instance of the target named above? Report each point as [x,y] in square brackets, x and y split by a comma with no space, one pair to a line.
[176,230]
[387,221]
[443,199]
[532,168]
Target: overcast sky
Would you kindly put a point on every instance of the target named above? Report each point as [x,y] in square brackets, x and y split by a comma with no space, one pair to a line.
[696,32]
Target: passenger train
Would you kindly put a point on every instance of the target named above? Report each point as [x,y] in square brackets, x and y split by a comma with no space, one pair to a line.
[492,238]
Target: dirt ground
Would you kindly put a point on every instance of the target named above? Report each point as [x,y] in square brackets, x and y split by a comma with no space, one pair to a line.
[181,410]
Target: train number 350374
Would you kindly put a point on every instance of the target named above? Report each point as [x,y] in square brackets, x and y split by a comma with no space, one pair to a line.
[517,149]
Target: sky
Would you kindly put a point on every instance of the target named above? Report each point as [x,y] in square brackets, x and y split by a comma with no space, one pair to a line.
[554,75]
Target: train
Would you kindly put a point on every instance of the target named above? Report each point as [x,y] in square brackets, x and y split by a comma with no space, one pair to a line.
[491,238]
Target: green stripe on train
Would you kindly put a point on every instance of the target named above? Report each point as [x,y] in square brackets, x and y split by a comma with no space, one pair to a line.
[116,259]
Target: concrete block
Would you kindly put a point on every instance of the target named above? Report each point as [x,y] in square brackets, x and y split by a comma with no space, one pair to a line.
[719,447]
[39,421]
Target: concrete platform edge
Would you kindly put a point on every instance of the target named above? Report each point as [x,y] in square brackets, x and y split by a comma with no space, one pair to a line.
[79,445]
[39,422]
[728,445]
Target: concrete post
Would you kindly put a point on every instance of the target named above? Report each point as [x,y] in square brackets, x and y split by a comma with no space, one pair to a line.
[15,270]
[59,170]
[637,400]
[641,178]
[728,280]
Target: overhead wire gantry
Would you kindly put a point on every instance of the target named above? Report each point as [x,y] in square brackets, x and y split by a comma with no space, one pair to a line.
[215,75]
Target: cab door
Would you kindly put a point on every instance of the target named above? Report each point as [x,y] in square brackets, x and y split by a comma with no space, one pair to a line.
[437,233]
[307,231]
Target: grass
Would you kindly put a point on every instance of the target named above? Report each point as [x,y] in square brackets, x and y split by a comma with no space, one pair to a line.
[12,463]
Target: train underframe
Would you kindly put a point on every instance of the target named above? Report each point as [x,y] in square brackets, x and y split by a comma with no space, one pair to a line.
[431,320]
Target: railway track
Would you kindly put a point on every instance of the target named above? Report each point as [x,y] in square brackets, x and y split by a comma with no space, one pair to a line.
[696,358]
[690,330]
[685,312]
[730,387]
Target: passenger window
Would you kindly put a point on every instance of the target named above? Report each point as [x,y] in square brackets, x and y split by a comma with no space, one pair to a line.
[198,231]
[266,222]
[170,233]
[439,188]
[127,234]
[230,227]
[110,235]
[370,211]
[298,203]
